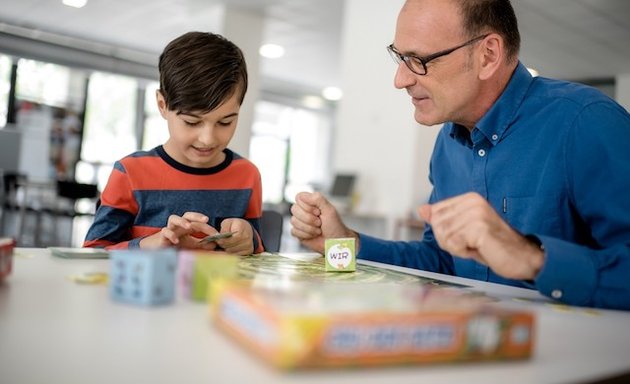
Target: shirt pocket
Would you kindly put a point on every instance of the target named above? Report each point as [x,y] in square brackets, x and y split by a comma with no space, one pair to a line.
[540,213]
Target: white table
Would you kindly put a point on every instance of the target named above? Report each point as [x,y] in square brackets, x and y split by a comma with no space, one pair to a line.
[53,330]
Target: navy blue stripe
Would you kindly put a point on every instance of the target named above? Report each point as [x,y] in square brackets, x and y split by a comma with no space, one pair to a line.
[118,165]
[150,153]
[255,223]
[110,224]
[135,243]
[157,205]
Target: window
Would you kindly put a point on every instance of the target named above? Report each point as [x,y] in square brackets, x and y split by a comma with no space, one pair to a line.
[290,147]
[49,99]
[5,87]
[110,118]
[310,152]
[43,83]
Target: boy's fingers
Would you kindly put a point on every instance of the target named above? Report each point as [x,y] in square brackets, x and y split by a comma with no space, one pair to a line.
[203,228]
[208,246]
[175,221]
[235,225]
[240,249]
[238,237]
[196,217]
[170,235]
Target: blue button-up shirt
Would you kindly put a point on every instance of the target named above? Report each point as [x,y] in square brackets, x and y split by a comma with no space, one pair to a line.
[553,159]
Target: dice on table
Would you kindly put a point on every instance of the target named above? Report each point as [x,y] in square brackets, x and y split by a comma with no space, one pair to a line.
[197,269]
[145,277]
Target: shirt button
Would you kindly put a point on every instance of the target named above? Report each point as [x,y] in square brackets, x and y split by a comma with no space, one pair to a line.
[481,153]
[495,137]
[556,294]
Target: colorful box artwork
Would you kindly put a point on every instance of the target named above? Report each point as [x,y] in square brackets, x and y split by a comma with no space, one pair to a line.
[338,324]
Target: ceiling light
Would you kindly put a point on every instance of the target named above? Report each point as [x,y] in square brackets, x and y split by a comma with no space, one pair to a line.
[533,72]
[74,3]
[313,102]
[271,51]
[332,93]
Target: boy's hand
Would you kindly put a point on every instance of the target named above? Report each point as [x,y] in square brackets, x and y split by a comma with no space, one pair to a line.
[241,242]
[178,232]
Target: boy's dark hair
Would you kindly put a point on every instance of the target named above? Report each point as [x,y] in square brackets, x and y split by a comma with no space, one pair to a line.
[199,71]
[482,16]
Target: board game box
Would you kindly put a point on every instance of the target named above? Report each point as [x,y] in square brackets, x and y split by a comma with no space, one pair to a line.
[306,324]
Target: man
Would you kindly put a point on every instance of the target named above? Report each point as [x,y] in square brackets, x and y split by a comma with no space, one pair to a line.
[530,175]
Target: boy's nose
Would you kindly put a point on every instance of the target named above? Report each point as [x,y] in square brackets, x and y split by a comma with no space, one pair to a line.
[206,136]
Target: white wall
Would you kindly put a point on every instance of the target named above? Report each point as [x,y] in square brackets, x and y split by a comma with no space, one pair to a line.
[622,90]
[245,29]
[376,135]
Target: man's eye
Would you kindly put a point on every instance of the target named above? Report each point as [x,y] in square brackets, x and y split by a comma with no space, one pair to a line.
[191,123]
[225,123]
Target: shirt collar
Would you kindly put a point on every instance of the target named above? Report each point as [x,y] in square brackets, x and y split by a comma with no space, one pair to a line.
[496,121]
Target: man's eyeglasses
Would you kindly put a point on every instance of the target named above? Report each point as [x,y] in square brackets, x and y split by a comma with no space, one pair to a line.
[418,65]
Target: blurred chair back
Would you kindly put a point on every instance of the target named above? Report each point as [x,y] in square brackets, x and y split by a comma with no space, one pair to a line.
[73,191]
[72,200]
[271,230]
[10,182]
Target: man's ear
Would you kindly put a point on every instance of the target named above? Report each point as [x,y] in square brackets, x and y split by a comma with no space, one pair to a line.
[492,55]
[161,103]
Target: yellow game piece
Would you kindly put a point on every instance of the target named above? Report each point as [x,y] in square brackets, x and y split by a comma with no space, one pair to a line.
[89,278]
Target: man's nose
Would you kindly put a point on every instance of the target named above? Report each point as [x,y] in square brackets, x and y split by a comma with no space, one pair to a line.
[404,77]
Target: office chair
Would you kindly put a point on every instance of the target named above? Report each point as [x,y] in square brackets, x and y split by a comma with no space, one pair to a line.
[73,191]
[68,193]
[271,230]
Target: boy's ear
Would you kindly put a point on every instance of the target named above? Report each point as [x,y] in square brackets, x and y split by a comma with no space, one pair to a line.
[161,103]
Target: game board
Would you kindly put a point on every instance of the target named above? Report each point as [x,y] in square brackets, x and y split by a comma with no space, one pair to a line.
[279,267]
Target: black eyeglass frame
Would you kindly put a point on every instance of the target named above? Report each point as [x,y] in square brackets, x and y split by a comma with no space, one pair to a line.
[398,57]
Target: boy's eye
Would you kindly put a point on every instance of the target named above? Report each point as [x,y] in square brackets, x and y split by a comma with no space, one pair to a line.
[225,123]
[192,123]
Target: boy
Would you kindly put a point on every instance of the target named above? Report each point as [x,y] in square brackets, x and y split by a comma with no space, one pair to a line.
[192,185]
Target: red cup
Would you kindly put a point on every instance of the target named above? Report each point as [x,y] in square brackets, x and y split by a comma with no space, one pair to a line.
[6,256]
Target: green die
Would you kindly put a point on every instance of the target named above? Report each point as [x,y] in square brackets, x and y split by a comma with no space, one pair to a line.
[340,255]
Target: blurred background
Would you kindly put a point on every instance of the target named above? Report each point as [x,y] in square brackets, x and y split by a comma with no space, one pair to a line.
[78,81]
